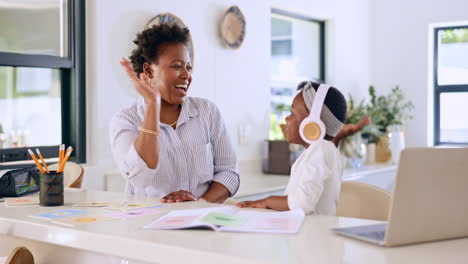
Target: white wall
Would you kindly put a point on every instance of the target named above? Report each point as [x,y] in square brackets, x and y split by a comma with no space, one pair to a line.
[400,51]
[236,80]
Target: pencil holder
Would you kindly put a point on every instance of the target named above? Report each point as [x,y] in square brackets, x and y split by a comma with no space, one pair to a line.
[51,189]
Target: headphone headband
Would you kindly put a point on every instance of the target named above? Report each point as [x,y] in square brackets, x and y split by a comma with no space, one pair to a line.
[312,128]
[319,100]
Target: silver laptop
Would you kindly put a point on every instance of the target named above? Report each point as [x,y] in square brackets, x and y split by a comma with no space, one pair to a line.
[429,201]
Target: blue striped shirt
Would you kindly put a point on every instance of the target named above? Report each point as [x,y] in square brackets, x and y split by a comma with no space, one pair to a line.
[191,156]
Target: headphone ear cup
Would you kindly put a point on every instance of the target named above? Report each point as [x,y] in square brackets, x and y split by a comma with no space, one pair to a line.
[323,129]
[311,130]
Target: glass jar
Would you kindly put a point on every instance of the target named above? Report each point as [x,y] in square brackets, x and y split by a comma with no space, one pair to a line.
[354,150]
[396,142]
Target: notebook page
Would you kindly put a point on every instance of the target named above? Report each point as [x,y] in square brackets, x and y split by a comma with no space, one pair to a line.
[191,218]
[288,222]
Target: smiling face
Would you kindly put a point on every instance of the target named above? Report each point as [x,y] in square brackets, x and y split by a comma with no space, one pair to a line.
[171,73]
[293,121]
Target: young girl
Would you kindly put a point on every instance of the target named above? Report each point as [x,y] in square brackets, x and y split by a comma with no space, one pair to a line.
[315,179]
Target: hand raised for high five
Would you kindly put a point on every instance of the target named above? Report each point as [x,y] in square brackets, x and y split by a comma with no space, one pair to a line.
[142,84]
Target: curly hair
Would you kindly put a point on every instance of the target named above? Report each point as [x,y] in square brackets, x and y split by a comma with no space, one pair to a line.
[150,40]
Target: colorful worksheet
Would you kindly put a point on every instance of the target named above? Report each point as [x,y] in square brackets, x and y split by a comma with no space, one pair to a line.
[231,220]
[139,212]
[96,204]
[84,219]
[58,214]
[21,201]
[126,206]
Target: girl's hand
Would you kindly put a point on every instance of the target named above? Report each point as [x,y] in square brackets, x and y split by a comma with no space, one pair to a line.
[275,202]
[254,204]
[142,84]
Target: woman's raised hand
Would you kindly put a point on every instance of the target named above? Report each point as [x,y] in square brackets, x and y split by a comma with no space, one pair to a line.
[142,84]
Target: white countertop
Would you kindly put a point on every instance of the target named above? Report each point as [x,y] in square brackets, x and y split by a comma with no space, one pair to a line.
[252,183]
[351,174]
[127,239]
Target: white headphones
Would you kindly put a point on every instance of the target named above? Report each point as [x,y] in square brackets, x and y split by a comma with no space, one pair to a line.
[312,128]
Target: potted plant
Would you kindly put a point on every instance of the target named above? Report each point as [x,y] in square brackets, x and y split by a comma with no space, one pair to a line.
[350,138]
[388,113]
[278,154]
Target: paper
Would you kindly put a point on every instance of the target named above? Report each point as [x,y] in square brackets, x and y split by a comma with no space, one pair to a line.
[58,214]
[138,212]
[170,222]
[126,206]
[84,219]
[95,204]
[180,219]
[231,220]
[222,219]
[21,201]
[275,223]
[287,222]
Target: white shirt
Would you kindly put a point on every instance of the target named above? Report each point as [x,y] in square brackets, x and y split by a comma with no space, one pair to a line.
[191,156]
[315,179]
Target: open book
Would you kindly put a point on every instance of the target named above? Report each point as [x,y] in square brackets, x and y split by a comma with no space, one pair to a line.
[232,220]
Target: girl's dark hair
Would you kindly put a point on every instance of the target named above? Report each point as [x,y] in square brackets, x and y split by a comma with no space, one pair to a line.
[150,40]
[335,100]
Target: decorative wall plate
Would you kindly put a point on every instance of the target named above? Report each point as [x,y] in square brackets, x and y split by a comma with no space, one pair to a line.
[170,18]
[233,27]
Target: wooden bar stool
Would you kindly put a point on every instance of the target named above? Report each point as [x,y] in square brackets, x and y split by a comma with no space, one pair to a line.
[361,200]
[20,255]
[72,174]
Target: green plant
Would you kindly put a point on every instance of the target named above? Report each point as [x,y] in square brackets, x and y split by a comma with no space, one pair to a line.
[354,112]
[281,109]
[277,115]
[389,110]
[450,36]
[275,132]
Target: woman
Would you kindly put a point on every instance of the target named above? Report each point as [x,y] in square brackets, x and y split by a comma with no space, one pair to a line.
[166,143]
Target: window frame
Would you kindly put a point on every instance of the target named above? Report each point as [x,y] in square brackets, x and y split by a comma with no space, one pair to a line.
[274,133]
[73,90]
[322,36]
[440,89]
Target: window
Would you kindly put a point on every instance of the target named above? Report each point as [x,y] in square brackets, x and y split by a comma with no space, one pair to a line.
[42,81]
[297,54]
[451,85]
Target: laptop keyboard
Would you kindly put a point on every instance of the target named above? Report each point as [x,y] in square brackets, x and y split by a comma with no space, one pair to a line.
[375,232]
[376,235]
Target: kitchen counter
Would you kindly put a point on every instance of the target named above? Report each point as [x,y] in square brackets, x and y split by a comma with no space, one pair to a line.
[125,241]
[253,184]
